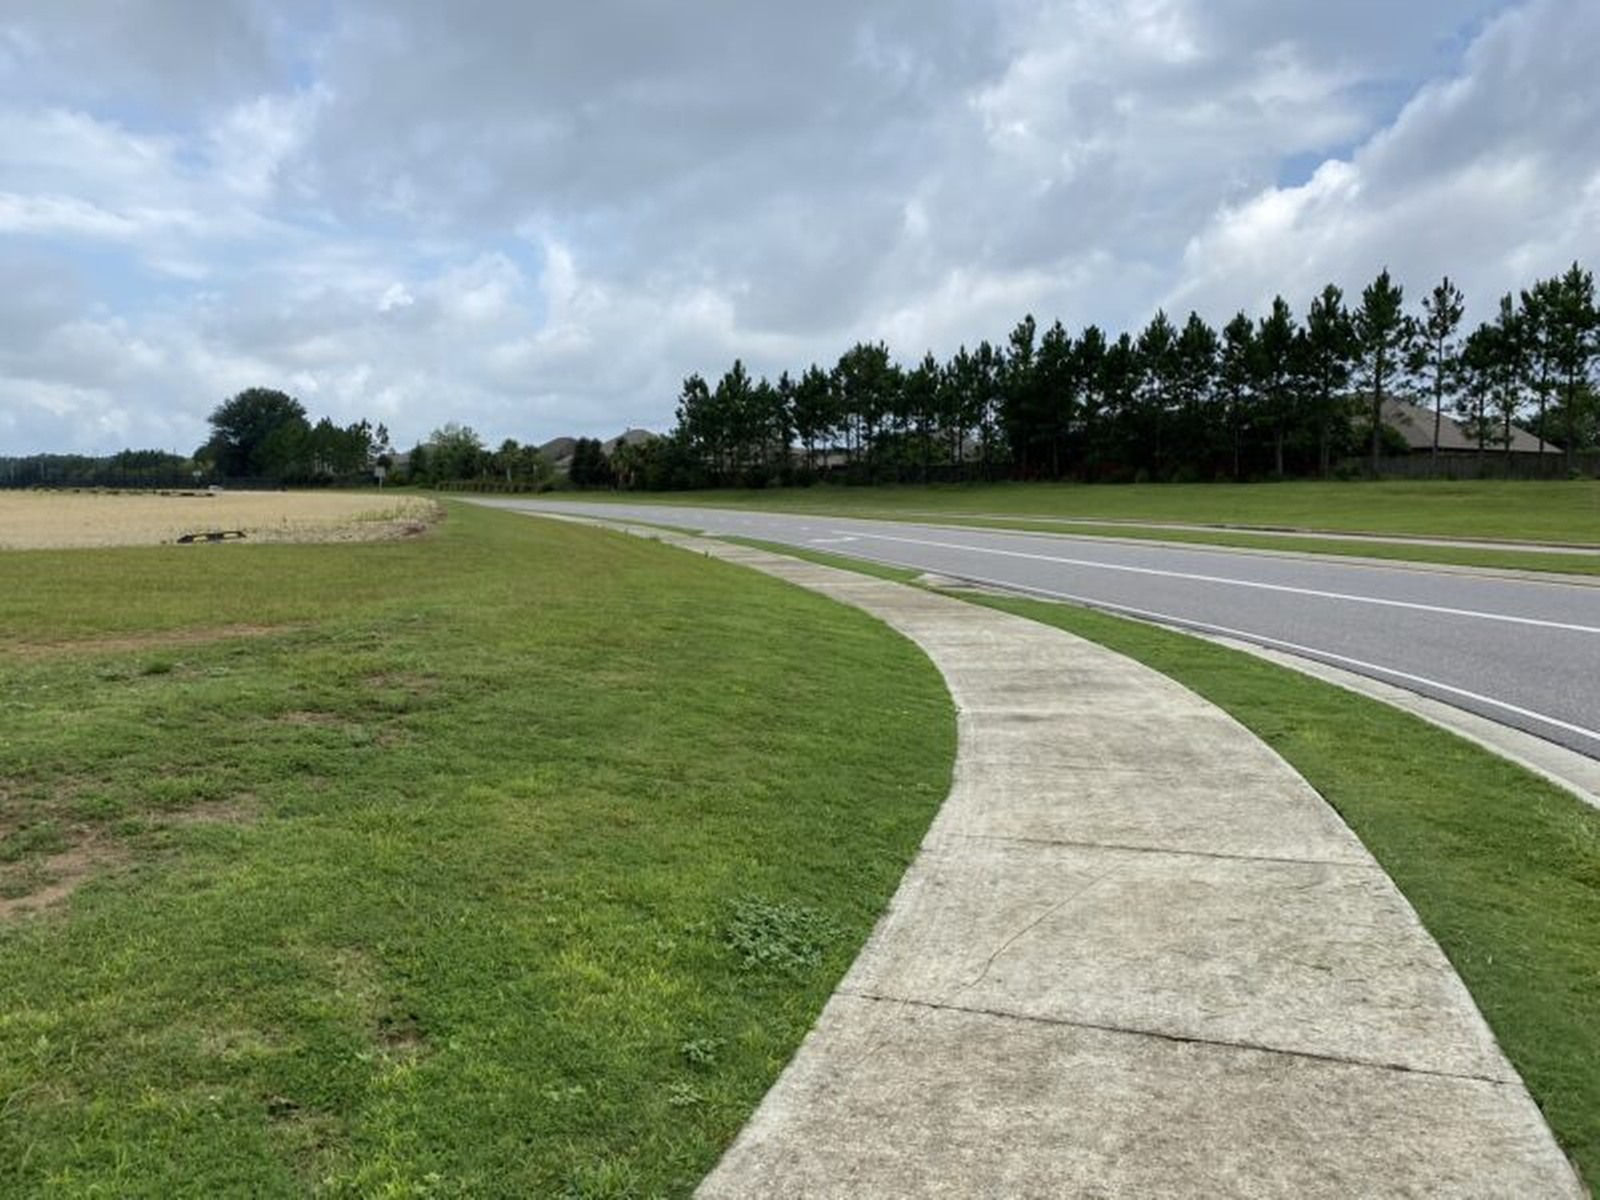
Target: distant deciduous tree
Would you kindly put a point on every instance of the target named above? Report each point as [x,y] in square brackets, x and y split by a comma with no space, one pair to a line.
[454,454]
[256,433]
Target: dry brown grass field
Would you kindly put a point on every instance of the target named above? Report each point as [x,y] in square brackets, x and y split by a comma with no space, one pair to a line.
[38,520]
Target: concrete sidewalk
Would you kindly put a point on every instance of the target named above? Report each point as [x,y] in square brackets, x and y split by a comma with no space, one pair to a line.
[1137,955]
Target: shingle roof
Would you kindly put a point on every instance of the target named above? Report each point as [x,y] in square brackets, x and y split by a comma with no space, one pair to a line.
[1415,423]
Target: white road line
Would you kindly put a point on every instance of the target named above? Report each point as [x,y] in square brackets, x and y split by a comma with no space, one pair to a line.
[1308,651]
[1243,583]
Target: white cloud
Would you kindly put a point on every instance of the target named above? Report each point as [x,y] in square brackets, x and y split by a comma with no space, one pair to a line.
[395,296]
[537,220]
[1489,175]
[62,215]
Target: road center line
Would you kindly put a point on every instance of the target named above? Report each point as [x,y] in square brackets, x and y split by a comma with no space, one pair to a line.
[1243,583]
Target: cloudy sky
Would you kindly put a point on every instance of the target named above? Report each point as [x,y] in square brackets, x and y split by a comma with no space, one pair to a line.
[535,219]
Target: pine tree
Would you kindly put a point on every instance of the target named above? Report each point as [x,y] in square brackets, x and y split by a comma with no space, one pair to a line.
[1330,355]
[1381,334]
[1575,326]
[1510,369]
[1057,392]
[1195,377]
[1436,353]
[1157,366]
[1274,375]
[1088,365]
[1235,382]
[1540,305]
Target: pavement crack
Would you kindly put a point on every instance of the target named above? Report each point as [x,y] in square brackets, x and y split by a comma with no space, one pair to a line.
[1029,928]
[905,1002]
[1133,848]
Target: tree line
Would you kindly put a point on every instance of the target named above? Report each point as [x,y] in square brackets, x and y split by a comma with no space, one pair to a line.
[1270,396]
[126,468]
[455,456]
[258,436]
[1274,395]
[266,435]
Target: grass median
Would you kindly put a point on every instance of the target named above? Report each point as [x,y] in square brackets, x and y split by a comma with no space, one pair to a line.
[514,860]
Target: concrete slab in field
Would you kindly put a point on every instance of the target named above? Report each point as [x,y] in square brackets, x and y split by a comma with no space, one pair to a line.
[896,1100]
[1137,955]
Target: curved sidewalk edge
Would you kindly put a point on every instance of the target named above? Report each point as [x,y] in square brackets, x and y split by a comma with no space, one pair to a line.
[1137,954]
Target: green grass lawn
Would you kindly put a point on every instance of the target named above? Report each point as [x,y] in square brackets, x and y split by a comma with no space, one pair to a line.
[1557,512]
[514,860]
[1502,867]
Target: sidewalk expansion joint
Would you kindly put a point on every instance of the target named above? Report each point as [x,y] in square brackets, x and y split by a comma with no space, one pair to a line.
[1177,1038]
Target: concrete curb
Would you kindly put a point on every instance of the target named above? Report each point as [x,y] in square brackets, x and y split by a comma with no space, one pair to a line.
[1137,954]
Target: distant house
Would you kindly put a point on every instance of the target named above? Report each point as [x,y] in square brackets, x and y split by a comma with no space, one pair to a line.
[558,451]
[1414,423]
[633,437]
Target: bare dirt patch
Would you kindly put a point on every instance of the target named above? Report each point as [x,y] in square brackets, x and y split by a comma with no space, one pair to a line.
[48,881]
[39,520]
[413,683]
[243,809]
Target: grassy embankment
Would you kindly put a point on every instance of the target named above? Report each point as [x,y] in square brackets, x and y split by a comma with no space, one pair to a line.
[1558,513]
[514,860]
[1502,867]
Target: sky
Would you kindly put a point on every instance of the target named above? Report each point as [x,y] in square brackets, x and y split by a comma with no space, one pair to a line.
[536,219]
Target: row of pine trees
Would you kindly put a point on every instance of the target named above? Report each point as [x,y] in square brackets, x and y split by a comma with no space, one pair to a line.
[1276,395]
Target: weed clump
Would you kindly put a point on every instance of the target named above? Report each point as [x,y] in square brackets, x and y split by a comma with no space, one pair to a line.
[777,936]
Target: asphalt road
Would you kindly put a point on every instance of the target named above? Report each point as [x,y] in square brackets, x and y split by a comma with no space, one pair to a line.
[1525,653]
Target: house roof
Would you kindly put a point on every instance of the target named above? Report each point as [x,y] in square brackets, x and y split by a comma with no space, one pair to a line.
[1415,423]
[633,437]
[558,449]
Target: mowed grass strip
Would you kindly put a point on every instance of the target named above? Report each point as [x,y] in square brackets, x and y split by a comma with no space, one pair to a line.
[1502,867]
[515,860]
